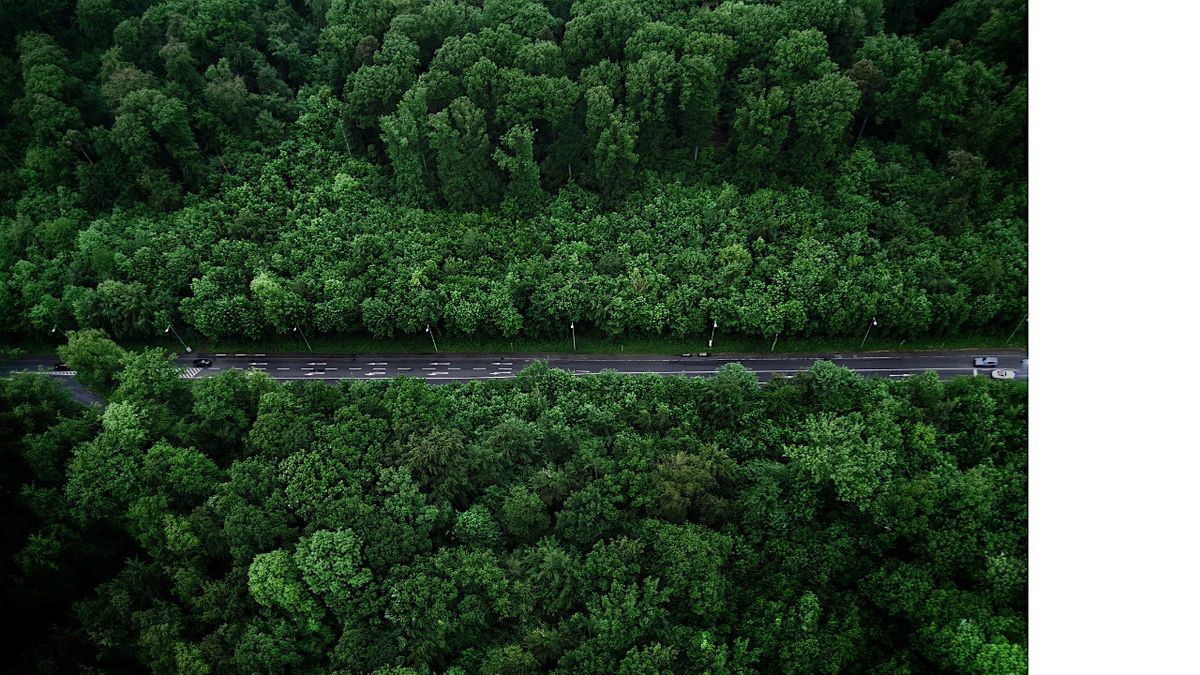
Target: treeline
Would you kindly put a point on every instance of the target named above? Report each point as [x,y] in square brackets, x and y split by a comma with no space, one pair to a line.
[547,523]
[250,130]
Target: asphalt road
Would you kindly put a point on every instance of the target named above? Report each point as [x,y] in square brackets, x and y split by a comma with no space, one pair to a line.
[461,367]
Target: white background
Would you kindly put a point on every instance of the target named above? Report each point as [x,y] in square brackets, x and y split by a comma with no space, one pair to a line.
[1114,347]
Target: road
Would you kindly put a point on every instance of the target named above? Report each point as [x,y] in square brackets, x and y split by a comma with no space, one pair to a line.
[461,367]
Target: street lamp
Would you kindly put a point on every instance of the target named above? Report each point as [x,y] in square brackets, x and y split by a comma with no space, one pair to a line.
[297,328]
[864,340]
[1012,334]
[430,331]
[172,331]
[573,347]
[713,335]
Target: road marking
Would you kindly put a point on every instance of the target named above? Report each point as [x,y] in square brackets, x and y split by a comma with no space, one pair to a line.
[306,368]
[239,355]
[260,355]
[456,369]
[439,363]
[329,369]
[220,355]
[439,373]
[403,368]
[316,363]
[283,369]
[354,368]
[480,368]
[381,363]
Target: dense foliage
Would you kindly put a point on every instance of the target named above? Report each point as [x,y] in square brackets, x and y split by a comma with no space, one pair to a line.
[632,524]
[505,166]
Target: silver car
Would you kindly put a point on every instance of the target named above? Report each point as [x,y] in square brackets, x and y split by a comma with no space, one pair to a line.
[986,362]
[1003,374]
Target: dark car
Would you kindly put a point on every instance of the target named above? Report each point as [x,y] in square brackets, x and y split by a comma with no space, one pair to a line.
[202,363]
[61,366]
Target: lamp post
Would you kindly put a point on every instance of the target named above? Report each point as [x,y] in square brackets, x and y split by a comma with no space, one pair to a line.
[864,340]
[713,335]
[172,332]
[297,329]
[573,347]
[775,342]
[430,331]
[1012,334]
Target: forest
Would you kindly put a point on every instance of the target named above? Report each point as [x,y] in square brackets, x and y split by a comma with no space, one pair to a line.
[828,523]
[241,168]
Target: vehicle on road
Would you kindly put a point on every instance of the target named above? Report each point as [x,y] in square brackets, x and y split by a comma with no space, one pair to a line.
[60,366]
[202,363]
[986,362]
[1003,374]
[686,354]
[702,354]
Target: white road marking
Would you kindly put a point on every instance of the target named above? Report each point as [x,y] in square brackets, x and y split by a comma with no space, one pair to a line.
[403,368]
[456,369]
[439,363]
[305,368]
[381,363]
[354,368]
[239,355]
[260,355]
[440,373]
[220,355]
[479,368]
[283,369]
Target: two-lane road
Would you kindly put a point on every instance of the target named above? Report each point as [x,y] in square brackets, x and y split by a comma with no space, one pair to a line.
[462,367]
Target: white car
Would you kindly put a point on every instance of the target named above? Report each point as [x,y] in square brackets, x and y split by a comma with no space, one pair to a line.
[986,362]
[1003,374]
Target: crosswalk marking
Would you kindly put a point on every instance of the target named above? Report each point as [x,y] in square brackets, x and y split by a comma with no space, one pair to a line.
[191,372]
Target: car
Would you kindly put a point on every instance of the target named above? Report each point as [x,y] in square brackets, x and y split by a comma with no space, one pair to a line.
[202,363]
[702,354]
[686,354]
[1003,374]
[60,366]
[986,362]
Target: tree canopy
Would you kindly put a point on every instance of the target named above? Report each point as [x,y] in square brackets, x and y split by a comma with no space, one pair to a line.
[239,169]
[545,523]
